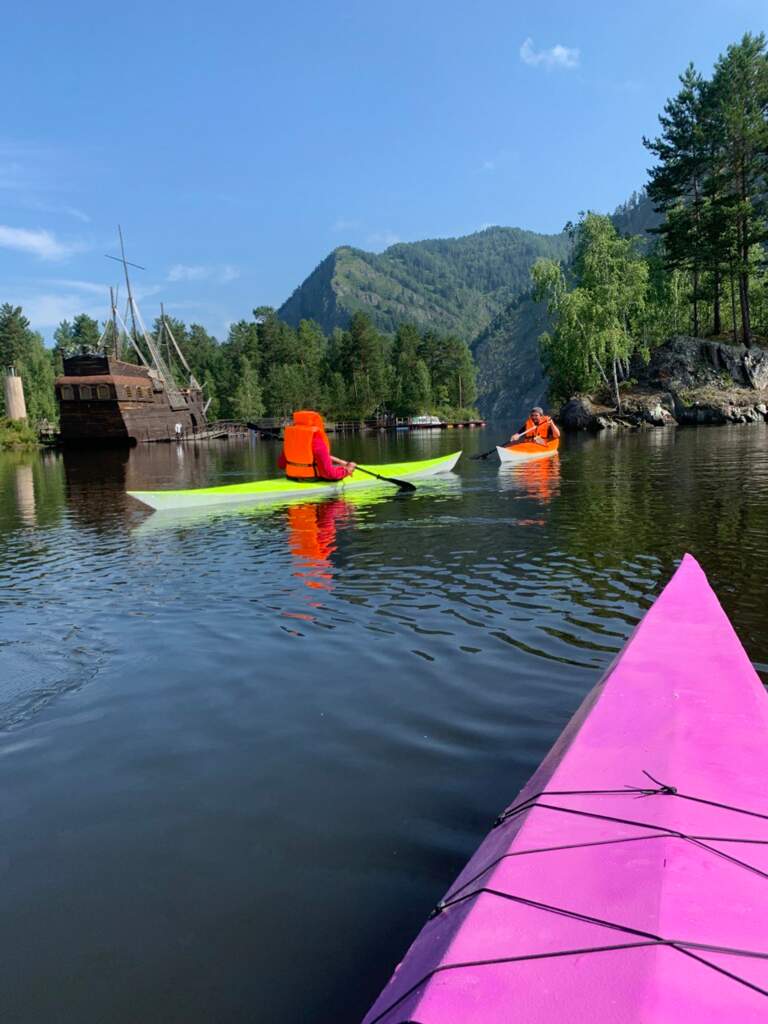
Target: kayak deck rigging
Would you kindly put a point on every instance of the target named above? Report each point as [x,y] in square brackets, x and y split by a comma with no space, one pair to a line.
[628,882]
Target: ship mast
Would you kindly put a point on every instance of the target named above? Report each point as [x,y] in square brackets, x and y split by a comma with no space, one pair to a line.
[175,397]
[115,334]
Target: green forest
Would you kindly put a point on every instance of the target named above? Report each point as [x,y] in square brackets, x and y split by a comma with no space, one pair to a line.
[706,273]
[268,368]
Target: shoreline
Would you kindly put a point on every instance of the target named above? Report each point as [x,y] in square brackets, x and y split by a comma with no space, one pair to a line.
[687,381]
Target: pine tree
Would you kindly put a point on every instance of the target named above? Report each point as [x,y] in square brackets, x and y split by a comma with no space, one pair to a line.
[676,184]
[412,388]
[247,401]
[363,366]
[86,334]
[740,86]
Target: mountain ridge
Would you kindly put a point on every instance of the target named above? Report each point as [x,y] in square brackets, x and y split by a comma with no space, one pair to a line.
[454,285]
[476,286]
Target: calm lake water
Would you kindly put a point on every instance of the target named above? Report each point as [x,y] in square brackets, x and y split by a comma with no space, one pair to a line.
[242,756]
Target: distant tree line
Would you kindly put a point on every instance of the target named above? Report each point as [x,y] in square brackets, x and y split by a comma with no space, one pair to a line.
[618,296]
[266,367]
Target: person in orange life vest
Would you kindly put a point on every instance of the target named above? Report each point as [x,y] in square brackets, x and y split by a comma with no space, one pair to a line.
[306,453]
[538,428]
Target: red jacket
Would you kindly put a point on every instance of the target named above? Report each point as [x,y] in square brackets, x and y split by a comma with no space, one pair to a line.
[322,456]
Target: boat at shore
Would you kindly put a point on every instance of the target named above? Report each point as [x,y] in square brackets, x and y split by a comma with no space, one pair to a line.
[106,399]
[282,489]
[627,881]
[524,450]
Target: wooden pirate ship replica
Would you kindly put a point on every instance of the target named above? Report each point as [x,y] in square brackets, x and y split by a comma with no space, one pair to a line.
[105,399]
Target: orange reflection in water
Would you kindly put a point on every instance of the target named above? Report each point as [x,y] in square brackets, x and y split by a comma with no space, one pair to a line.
[312,539]
[541,478]
[537,478]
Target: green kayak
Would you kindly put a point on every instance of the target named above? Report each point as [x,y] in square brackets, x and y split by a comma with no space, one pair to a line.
[281,489]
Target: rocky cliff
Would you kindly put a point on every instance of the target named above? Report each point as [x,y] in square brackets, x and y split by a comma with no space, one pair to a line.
[687,380]
[510,377]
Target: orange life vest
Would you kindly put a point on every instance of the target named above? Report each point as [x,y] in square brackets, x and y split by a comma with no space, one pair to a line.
[540,429]
[297,445]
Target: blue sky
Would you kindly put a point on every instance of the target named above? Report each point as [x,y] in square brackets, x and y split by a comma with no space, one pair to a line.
[238,143]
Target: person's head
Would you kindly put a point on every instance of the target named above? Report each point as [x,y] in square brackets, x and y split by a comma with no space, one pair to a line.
[537,414]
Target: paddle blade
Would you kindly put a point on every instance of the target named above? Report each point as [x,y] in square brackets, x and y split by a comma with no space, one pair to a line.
[484,455]
[403,485]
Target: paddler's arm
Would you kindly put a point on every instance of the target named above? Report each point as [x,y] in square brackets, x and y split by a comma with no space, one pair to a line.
[351,466]
[519,434]
[324,461]
[554,430]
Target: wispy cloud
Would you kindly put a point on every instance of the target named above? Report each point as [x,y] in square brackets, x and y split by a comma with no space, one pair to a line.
[382,239]
[345,224]
[48,309]
[197,272]
[88,287]
[65,210]
[498,161]
[21,166]
[558,56]
[36,242]
[184,272]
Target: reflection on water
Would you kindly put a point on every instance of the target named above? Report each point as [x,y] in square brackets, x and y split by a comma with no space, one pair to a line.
[312,538]
[235,740]
[537,478]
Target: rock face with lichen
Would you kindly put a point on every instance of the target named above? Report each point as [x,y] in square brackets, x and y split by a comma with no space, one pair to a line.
[687,380]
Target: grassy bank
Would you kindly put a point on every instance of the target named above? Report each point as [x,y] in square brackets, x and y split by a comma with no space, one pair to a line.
[16,434]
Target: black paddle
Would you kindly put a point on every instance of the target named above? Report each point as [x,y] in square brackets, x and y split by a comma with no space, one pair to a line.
[403,485]
[504,444]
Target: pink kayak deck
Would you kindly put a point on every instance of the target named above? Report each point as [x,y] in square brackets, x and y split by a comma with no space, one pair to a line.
[621,907]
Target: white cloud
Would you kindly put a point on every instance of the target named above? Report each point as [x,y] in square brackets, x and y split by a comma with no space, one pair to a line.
[48,309]
[382,239]
[345,224]
[558,56]
[68,211]
[489,165]
[90,287]
[35,241]
[186,272]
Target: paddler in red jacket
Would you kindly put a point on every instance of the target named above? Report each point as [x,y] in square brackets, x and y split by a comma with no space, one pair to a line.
[306,453]
[538,427]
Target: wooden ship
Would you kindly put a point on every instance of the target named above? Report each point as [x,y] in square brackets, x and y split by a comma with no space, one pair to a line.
[104,399]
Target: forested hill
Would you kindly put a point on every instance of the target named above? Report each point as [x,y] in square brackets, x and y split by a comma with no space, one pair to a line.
[452,285]
[510,377]
[636,217]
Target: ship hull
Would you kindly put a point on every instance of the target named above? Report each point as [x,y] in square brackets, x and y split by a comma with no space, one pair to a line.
[105,401]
